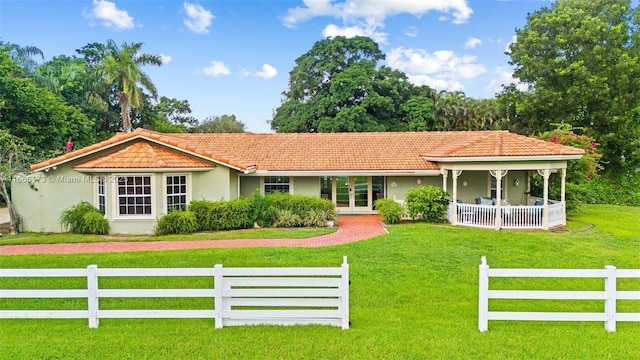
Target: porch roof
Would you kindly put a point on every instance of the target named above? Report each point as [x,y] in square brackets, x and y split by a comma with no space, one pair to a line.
[391,151]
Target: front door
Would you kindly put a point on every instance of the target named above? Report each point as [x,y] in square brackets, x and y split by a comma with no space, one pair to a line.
[353,193]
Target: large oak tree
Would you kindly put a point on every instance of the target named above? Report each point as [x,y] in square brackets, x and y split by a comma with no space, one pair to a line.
[338,86]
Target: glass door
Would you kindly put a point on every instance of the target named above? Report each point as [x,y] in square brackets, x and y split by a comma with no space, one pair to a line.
[343,192]
[360,191]
[352,193]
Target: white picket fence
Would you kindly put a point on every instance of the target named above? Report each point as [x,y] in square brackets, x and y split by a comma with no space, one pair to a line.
[240,296]
[609,295]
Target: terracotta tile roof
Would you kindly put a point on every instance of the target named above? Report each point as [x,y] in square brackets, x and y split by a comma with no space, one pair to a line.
[142,154]
[338,151]
[499,144]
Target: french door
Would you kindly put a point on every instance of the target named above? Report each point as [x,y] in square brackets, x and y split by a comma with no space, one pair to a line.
[352,193]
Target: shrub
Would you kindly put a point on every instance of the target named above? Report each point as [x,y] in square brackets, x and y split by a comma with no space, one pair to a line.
[202,211]
[231,215]
[222,215]
[177,222]
[95,223]
[430,202]
[262,212]
[320,217]
[390,210]
[287,218]
[73,219]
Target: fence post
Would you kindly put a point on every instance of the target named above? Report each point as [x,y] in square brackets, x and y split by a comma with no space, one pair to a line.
[217,295]
[92,296]
[344,305]
[610,299]
[483,296]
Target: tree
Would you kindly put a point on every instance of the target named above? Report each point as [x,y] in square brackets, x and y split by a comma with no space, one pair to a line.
[581,61]
[23,55]
[220,124]
[337,86]
[14,162]
[39,117]
[118,67]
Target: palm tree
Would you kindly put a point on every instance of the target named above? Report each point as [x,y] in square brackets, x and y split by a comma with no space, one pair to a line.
[119,68]
[23,55]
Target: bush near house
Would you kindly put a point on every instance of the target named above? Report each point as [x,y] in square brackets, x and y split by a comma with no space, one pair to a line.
[222,215]
[177,222]
[276,209]
[430,202]
[390,210]
[84,218]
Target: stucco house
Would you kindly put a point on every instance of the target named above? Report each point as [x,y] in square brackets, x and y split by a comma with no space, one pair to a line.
[135,178]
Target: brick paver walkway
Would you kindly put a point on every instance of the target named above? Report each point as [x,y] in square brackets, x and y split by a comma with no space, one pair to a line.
[351,228]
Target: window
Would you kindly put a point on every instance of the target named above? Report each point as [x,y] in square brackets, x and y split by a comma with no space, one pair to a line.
[134,195]
[102,199]
[494,187]
[326,187]
[276,183]
[176,192]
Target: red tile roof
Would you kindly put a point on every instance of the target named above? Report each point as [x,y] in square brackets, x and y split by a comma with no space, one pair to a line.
[337,151]
[142,154]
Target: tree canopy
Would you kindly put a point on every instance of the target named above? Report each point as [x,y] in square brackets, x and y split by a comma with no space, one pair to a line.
[581,61]
[117,69]
[337,86]
[220,124]
[36,115]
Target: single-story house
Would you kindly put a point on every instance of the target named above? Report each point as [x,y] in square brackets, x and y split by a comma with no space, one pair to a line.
[135,178]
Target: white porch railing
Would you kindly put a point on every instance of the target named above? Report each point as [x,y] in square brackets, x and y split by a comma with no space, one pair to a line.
[555,214]
[476,215]
[513,216]
[522,217]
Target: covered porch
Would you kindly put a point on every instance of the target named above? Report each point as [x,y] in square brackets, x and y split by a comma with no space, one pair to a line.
[495,211]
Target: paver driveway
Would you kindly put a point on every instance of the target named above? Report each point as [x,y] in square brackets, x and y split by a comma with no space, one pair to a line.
[351,228]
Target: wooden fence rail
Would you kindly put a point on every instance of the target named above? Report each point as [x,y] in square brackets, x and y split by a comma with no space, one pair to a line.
[609,295]
[241,296]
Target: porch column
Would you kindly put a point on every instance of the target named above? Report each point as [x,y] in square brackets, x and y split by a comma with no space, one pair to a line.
[545,198]
[444,173]
[454,215]
[563,178]
[498,174]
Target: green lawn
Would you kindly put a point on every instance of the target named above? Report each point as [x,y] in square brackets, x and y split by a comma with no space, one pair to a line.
[413,296]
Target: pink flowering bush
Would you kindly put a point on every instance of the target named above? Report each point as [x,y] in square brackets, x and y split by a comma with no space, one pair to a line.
[588,166]
[580,172]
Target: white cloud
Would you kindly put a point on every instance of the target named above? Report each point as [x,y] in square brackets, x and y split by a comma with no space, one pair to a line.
[267,72]
[411,31]
[380,9]
[217,68]
[442,69]
[472,42]
[198,18]
[364,17]
[502,77]
[332,30]
[111,16]
[165,59]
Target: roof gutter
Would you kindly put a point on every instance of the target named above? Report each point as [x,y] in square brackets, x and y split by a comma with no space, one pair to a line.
[502,158]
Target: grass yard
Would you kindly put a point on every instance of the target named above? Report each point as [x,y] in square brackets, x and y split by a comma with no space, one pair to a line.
[413,296]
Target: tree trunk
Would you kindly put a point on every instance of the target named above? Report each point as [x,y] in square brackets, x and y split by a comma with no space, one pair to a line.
[124,112]
[14,218]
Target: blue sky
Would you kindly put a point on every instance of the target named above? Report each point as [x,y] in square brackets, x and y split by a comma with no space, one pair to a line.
[234,56]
